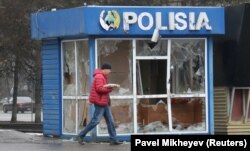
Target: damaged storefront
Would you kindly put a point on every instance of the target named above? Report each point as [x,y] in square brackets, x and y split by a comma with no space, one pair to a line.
[161,57]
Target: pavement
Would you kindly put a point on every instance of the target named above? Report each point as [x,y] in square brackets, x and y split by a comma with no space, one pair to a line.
[11,140]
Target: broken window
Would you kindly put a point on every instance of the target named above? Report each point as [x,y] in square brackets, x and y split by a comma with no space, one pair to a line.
[69,82]
[151,77]
[75,54]
[188,114]
[151,86]
[119,54]
[186,110]
[83,113]
[82,68]
[186,82]
[75,85]
[152,115]
[69,116]
[148,48]
[167,91]
[122,111]
[187,66]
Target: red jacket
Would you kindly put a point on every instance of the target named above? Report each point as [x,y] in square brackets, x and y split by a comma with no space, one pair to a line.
[99,94]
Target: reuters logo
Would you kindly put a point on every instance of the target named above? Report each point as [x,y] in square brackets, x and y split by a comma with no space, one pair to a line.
[110,20]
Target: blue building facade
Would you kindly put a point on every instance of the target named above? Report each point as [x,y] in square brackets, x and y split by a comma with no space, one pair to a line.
[161,56]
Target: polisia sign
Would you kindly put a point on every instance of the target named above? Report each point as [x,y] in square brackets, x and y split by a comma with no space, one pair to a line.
[168,20]
[176,21]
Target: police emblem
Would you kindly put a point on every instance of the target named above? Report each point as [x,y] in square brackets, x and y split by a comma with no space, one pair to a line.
[110,20]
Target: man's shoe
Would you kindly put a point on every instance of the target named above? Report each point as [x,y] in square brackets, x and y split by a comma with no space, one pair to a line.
[115,143]
[80,141]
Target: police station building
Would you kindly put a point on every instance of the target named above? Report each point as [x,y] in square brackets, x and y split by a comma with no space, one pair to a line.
[162,57]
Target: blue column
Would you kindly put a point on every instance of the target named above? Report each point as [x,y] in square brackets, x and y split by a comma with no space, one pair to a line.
[92,65]
[210,86]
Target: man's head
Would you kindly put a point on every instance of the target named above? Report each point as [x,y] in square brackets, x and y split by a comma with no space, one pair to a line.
[106,68]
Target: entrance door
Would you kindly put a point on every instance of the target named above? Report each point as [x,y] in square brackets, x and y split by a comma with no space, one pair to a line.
[152,64]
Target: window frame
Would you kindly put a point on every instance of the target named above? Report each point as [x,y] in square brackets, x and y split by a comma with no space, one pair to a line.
[75,97]
[245,104]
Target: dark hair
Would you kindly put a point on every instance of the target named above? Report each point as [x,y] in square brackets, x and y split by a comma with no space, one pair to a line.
[106,66]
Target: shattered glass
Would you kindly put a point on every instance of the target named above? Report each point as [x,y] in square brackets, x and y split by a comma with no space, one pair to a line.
[108,47]
[119,54]
[69,81]
[122,111]
[121,62]
[70,59]
[82,67]
[148,48]
[83,114]
[188,113]
[69,116]
[187,71]
[152,115]
[187,66]
[187,76]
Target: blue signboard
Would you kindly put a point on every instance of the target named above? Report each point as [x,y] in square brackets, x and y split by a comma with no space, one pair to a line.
[129,21]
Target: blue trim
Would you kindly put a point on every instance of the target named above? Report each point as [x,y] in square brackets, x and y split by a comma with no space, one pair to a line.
[210,86]
[106,138]
[60,86]
[51,24]
[92,59]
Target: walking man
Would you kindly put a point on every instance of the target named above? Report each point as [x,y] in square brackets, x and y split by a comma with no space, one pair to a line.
[99,96]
